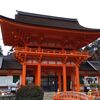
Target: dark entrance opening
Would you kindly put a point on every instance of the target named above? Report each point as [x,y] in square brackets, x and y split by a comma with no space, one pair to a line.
[68,83]
[49,83]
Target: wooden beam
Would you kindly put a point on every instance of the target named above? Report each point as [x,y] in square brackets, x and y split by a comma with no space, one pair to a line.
[65,59]
[40,58]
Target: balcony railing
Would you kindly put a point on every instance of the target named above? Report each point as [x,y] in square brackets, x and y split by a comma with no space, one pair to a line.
[72,95]
[50,51]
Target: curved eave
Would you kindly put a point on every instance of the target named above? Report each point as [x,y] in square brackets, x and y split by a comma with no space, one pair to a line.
[50,21]
[76,38]
[3,18]
[44,16]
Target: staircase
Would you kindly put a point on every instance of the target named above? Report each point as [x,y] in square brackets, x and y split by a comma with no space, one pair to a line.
[48,95]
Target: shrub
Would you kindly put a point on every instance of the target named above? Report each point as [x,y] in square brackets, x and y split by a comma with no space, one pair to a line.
[93,85]
[30,92]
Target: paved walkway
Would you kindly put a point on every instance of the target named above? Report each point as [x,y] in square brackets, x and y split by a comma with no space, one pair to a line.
[98,99]
[48,95]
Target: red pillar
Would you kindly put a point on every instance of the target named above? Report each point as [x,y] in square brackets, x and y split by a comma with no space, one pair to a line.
[59,81]
[64,78]
[77,78]
[23,74]
[38,75]
[72,79]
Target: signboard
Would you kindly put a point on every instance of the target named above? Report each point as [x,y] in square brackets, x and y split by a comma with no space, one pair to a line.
[90,80]
[6,80]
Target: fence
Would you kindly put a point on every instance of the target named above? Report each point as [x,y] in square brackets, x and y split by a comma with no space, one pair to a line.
[7,97]
[72,96]
[96,94]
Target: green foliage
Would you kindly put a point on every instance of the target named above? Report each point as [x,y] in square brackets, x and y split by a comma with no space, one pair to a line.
[95,85]
[98,86]
[30,92]
[94,49]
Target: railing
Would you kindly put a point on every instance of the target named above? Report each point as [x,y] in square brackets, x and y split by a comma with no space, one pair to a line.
[72,96]
[36,50]
[63,55]
[58,96]
[96,94]
[7,97]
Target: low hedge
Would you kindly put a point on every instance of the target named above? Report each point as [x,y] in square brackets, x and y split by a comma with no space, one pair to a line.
[30,92]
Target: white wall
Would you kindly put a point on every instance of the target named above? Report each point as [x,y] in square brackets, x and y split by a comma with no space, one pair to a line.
[6,80]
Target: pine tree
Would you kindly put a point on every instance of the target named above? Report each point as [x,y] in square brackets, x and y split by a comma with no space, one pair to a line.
[94,50]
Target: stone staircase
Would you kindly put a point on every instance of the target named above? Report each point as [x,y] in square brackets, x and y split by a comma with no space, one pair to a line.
[48,95]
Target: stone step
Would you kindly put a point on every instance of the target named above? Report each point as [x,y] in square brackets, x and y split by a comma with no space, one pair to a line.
[48,95]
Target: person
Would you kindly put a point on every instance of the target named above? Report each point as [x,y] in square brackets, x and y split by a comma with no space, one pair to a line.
[90,92]
[85,89]
[13,89]
[88,87]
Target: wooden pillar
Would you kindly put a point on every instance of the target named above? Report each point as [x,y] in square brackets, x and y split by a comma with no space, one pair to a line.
[21,79]
[64,78]
[72,79]
[35,73]
[38,75]
[77,78]
[23,74]
[59,81]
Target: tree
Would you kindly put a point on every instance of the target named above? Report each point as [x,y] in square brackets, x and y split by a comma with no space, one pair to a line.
[94,50]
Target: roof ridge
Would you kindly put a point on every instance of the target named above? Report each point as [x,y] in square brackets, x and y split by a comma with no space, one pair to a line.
[47,16]
[92,65]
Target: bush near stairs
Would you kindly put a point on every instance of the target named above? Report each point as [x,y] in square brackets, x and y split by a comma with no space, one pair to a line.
[30,92]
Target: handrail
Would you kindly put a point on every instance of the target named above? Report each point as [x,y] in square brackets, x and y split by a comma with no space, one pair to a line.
[96,93]
[49,51]
[72,95]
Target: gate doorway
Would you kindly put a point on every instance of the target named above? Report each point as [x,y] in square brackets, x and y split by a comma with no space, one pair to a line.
[49,83]
[68,83]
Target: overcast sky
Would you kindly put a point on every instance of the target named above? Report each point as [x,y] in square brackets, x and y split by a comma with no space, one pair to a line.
[86,11]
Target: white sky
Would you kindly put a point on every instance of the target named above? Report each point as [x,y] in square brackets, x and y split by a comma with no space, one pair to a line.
[86,11]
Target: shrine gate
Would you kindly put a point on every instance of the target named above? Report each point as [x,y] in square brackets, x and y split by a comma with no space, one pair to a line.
[48,48]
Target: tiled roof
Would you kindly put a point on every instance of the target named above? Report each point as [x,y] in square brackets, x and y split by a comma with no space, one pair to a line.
[9,62]
[86,66]
[95,65]
[50,21]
